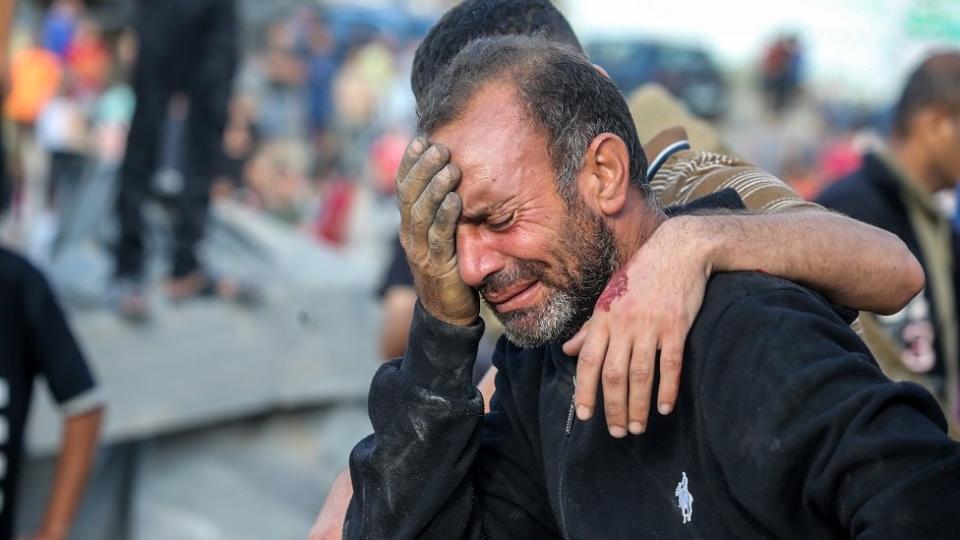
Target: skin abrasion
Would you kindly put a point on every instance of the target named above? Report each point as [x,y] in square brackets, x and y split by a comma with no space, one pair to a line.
[616,288]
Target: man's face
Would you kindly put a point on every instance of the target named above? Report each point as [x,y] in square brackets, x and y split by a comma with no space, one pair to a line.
[944,148]
[538,262]
[953,154]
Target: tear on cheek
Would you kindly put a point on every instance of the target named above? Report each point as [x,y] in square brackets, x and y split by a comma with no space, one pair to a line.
[616,287]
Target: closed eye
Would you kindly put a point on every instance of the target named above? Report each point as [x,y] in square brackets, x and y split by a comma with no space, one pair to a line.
[500,223]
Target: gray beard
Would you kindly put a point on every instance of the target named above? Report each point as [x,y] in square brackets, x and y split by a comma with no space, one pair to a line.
[553,322]
[568,306]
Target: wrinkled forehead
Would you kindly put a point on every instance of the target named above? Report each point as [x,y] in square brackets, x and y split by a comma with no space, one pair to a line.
[493,138]
[491,121]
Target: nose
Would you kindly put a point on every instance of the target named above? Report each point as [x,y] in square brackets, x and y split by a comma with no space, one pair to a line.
[477,255]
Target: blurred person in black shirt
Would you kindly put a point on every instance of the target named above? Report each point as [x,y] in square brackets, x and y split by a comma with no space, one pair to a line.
[35,341]
[185,46]
[894,190]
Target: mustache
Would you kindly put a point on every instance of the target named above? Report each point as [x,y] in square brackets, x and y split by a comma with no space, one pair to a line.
[520,271]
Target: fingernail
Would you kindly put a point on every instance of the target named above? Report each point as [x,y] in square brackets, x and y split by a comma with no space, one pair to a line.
[636,428]
[617,432]
[664,408]
[583,412]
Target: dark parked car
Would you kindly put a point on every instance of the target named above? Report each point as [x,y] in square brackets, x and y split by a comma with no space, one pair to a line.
[359,23]
[688,72]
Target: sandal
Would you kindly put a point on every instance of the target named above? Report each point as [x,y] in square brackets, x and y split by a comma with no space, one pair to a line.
[210,286]
[130,301]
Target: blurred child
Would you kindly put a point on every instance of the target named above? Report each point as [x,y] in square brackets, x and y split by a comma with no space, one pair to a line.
[89,59]
[278,178]
[240,139]
[61,131]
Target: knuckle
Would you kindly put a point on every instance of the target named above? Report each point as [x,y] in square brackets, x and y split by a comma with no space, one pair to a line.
[404,198]
[439,184]
[590,359]
[671,363]
[647,318]
[640,372]
[418,260]
[612,376]
[436,243]
[417,216]
[441,221]
[416,177]
[439,187]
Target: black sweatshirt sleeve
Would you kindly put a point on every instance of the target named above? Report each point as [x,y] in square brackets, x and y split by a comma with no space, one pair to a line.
[818,440]
[424,472]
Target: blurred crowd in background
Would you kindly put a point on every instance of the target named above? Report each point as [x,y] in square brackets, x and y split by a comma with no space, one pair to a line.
[322,107]
[321,111]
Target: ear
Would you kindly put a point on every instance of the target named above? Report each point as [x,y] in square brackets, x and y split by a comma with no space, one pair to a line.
[934,124]
[605,176]
[602,71]
[945,125]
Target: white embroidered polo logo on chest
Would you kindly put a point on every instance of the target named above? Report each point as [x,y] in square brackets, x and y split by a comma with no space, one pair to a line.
[684,498]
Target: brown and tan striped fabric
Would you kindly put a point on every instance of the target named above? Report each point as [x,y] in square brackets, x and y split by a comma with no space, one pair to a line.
[690,174]
[706,168]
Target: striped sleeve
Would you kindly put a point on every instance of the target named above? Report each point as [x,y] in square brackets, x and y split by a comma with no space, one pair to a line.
[689,175]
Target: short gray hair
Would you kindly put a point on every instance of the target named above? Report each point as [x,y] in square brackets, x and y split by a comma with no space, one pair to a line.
[561,90]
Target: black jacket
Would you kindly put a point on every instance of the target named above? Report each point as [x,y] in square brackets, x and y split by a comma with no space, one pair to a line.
[873,194]
[784,427]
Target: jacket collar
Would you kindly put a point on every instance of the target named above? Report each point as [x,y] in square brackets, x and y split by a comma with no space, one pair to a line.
[891,175]
[663,146]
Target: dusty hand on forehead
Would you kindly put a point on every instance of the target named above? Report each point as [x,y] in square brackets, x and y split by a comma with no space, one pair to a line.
[429,210]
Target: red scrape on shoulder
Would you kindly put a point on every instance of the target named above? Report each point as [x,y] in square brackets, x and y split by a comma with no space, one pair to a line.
[616,288]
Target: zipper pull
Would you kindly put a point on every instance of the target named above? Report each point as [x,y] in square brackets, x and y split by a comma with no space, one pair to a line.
[572,407]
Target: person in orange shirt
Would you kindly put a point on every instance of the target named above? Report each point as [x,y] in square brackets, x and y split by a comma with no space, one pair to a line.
[34,78]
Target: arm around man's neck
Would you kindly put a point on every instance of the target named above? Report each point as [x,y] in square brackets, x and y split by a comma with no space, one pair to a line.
[851,263]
